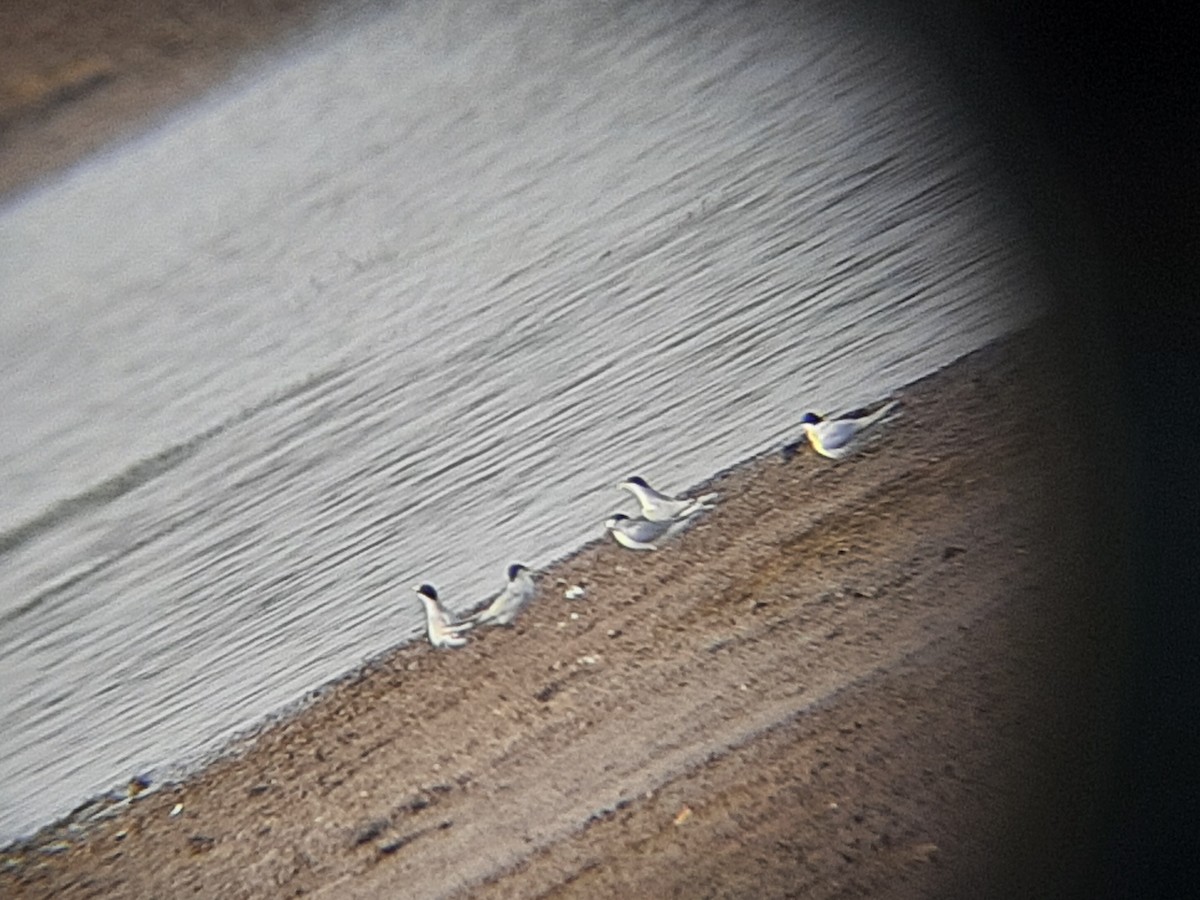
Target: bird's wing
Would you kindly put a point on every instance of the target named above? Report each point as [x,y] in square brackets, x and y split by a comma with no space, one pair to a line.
[838,433]
[878,414]
[646,531]
[705,501]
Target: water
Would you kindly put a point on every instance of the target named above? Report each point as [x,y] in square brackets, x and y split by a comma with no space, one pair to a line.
[405,303]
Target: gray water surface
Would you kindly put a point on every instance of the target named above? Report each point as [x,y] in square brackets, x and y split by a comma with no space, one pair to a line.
[406,302]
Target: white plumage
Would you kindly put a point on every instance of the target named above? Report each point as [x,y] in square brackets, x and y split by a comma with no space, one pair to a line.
[658,507]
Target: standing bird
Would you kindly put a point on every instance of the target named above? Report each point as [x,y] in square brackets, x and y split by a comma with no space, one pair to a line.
[503,610]
[657,507]
[838,438]
[442,632]
[636,534]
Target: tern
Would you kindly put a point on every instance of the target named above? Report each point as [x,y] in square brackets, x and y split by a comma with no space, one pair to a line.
[442,631]
[636,534]
[503,610]
[658,507]
[838,438]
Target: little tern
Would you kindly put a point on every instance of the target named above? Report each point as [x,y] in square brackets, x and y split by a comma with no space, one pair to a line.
[658,507]
[503,610]
[442,631]
[838,438]
[636,534]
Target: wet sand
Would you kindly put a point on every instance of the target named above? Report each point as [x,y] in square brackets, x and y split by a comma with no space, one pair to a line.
[865,678]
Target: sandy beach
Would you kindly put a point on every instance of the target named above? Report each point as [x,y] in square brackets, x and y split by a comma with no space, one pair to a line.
[864,678]
[878,677]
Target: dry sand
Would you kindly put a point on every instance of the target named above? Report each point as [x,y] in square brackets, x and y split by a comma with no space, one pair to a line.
[865,678]
[880,677]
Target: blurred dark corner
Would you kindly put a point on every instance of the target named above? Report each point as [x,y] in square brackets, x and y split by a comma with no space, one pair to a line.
[1093,109]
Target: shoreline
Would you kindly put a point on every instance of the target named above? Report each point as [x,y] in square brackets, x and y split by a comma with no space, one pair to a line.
[770,650]
[176,775]
[79,80]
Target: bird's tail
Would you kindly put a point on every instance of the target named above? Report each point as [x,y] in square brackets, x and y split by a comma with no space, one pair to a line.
[700,504]
[880,413]
[465,625]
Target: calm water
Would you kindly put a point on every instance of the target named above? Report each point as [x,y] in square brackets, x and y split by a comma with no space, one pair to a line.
[405,303]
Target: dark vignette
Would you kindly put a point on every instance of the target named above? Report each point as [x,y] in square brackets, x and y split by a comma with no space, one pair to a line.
[1093,111]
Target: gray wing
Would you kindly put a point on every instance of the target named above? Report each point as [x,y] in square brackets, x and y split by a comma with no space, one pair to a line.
[514,596]
[837,433]
[644,531]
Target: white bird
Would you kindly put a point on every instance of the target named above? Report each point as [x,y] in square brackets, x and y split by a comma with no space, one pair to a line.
[518,592]
[442,631]
[658,507]
[838,438]
[636,534]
